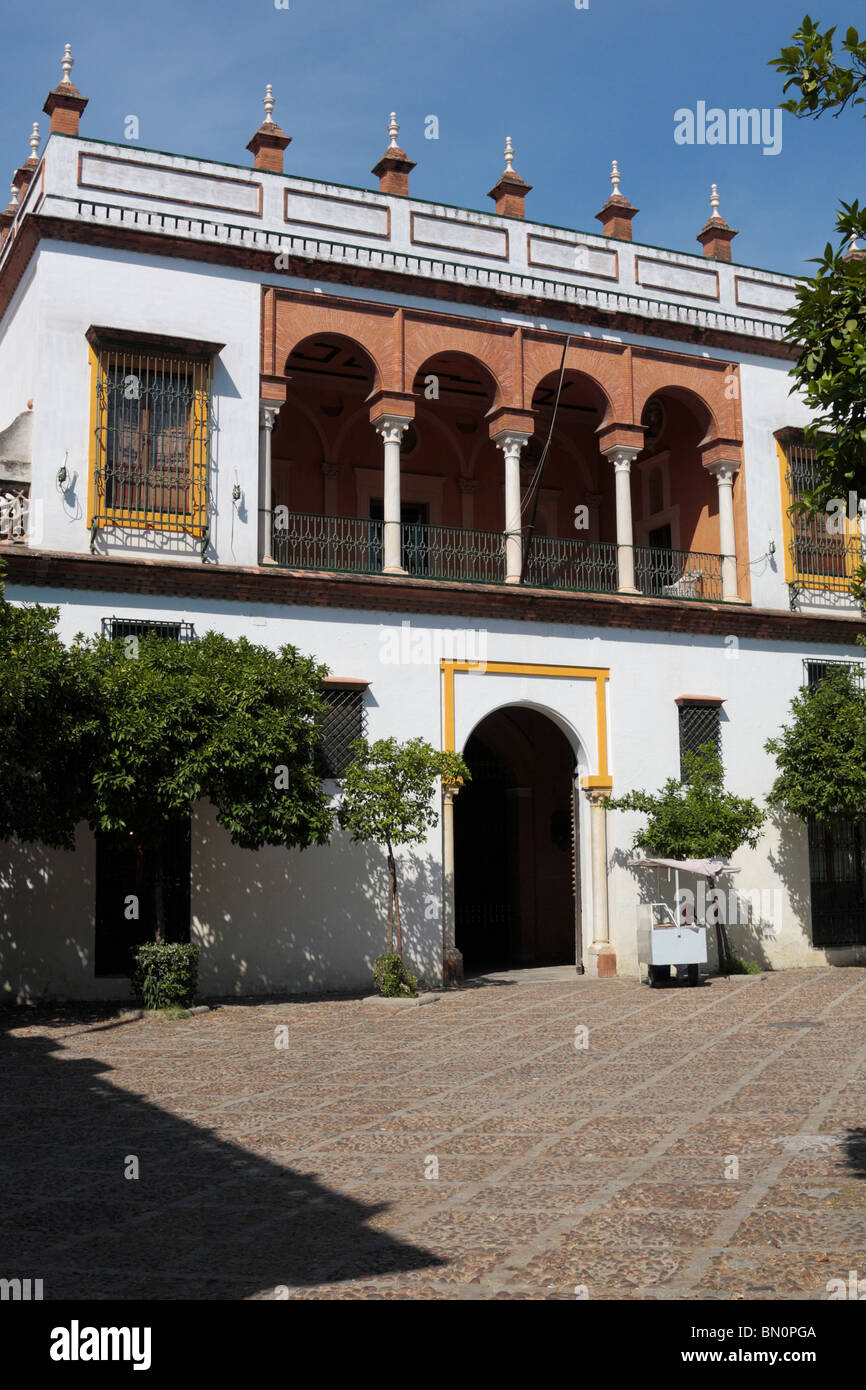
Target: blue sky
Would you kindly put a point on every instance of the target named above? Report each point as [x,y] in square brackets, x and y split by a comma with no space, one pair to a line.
[574,89]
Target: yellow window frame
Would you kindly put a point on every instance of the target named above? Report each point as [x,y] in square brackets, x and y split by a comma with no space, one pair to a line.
[194,522]
[851,538]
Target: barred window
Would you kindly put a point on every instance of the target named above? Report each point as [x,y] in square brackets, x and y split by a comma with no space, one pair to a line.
[344,722]
[140,627]
[700,723]
[152,437]
[815,671]
[821,555]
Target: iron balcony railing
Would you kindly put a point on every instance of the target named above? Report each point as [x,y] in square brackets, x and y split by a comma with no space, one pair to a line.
[690,574]
[454,552]
[14,515]
[554,562]
[305,541]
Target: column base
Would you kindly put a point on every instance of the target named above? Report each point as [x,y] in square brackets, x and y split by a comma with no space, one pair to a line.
[512,579]
[393,569]
[624,589]
[601,961]
[735,598]
[453,969]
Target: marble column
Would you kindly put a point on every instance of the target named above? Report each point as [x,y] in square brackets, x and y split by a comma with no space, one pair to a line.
[268,412]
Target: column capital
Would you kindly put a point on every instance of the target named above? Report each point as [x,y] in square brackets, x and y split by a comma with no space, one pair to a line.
[391,428]
[331,470]
[268,412]
[723,470]
[622,457]
[596,789]
[510,441]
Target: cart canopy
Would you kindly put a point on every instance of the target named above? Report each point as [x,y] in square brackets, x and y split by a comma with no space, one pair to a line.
[705,868]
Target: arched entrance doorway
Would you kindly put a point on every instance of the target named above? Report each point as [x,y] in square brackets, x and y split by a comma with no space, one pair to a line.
[516,860]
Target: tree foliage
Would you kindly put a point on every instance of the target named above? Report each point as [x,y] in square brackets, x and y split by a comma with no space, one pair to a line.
[821,753]
[216,719]
[828,325]
[388,798]
[810,65]
[49,727]
[695,819]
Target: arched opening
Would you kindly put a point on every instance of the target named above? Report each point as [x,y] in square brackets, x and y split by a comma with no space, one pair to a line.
[675,500]
[323,432]
[453,394]
[574,476]
[517,878]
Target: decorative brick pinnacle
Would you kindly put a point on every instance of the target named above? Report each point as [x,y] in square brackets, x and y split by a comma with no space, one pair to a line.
[269,143]
[395,166]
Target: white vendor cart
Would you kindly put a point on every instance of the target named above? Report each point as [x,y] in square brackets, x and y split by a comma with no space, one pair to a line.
[669,937]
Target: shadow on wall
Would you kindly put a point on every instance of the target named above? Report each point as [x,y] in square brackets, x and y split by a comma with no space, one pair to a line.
[46,919]
[204,1220]
[291,922]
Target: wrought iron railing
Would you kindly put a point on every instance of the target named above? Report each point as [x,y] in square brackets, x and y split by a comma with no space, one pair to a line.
[454,552]
[567,562]
[689,574]
[305,541]
[14,515]
[825,550]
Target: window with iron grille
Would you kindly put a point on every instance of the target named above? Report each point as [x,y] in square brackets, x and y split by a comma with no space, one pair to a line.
[151,441]
[837,873]
[815,671]
[700,723]
[344,722]
[140,627]
[822,555]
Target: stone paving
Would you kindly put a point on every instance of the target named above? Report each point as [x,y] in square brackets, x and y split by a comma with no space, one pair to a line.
[705,1144]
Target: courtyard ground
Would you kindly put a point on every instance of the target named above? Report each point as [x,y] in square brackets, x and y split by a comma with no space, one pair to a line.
[531,1136]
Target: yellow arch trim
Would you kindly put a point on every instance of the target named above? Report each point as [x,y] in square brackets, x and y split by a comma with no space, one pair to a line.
[599,674]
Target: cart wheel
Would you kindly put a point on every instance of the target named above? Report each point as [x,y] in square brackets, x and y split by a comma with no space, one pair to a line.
[694,974]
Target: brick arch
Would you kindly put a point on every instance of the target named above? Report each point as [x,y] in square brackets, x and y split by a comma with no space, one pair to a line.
[489,349]
[603,369]
[700,387]
[345,340]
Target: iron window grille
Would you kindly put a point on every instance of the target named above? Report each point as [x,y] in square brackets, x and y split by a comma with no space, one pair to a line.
[699,724]
[820,558]
[141,627]
[837,874]
[344,722]
[815,671]
[152,432]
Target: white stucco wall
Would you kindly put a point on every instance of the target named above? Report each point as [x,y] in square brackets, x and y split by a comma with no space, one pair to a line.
[81,287]
[279,921]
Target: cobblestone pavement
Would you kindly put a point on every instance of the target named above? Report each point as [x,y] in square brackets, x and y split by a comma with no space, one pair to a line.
[705,1144]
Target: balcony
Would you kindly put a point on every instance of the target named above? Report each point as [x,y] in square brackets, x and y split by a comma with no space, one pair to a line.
[355,545]
[14,514]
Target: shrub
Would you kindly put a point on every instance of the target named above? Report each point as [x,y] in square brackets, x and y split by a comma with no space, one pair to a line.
[734,966]
[392,979]
[165,973]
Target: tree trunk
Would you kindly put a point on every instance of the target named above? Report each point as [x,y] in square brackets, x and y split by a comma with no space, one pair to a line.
[392,870]
[390,906]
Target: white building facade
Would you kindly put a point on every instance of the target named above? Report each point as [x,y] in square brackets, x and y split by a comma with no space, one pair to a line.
[524,490]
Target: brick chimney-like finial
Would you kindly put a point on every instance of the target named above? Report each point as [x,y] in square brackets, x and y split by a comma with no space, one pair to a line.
[24,173]
[716,236]
[510,192]
[64,104]
[269,143]
[395,166]
[617,213]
